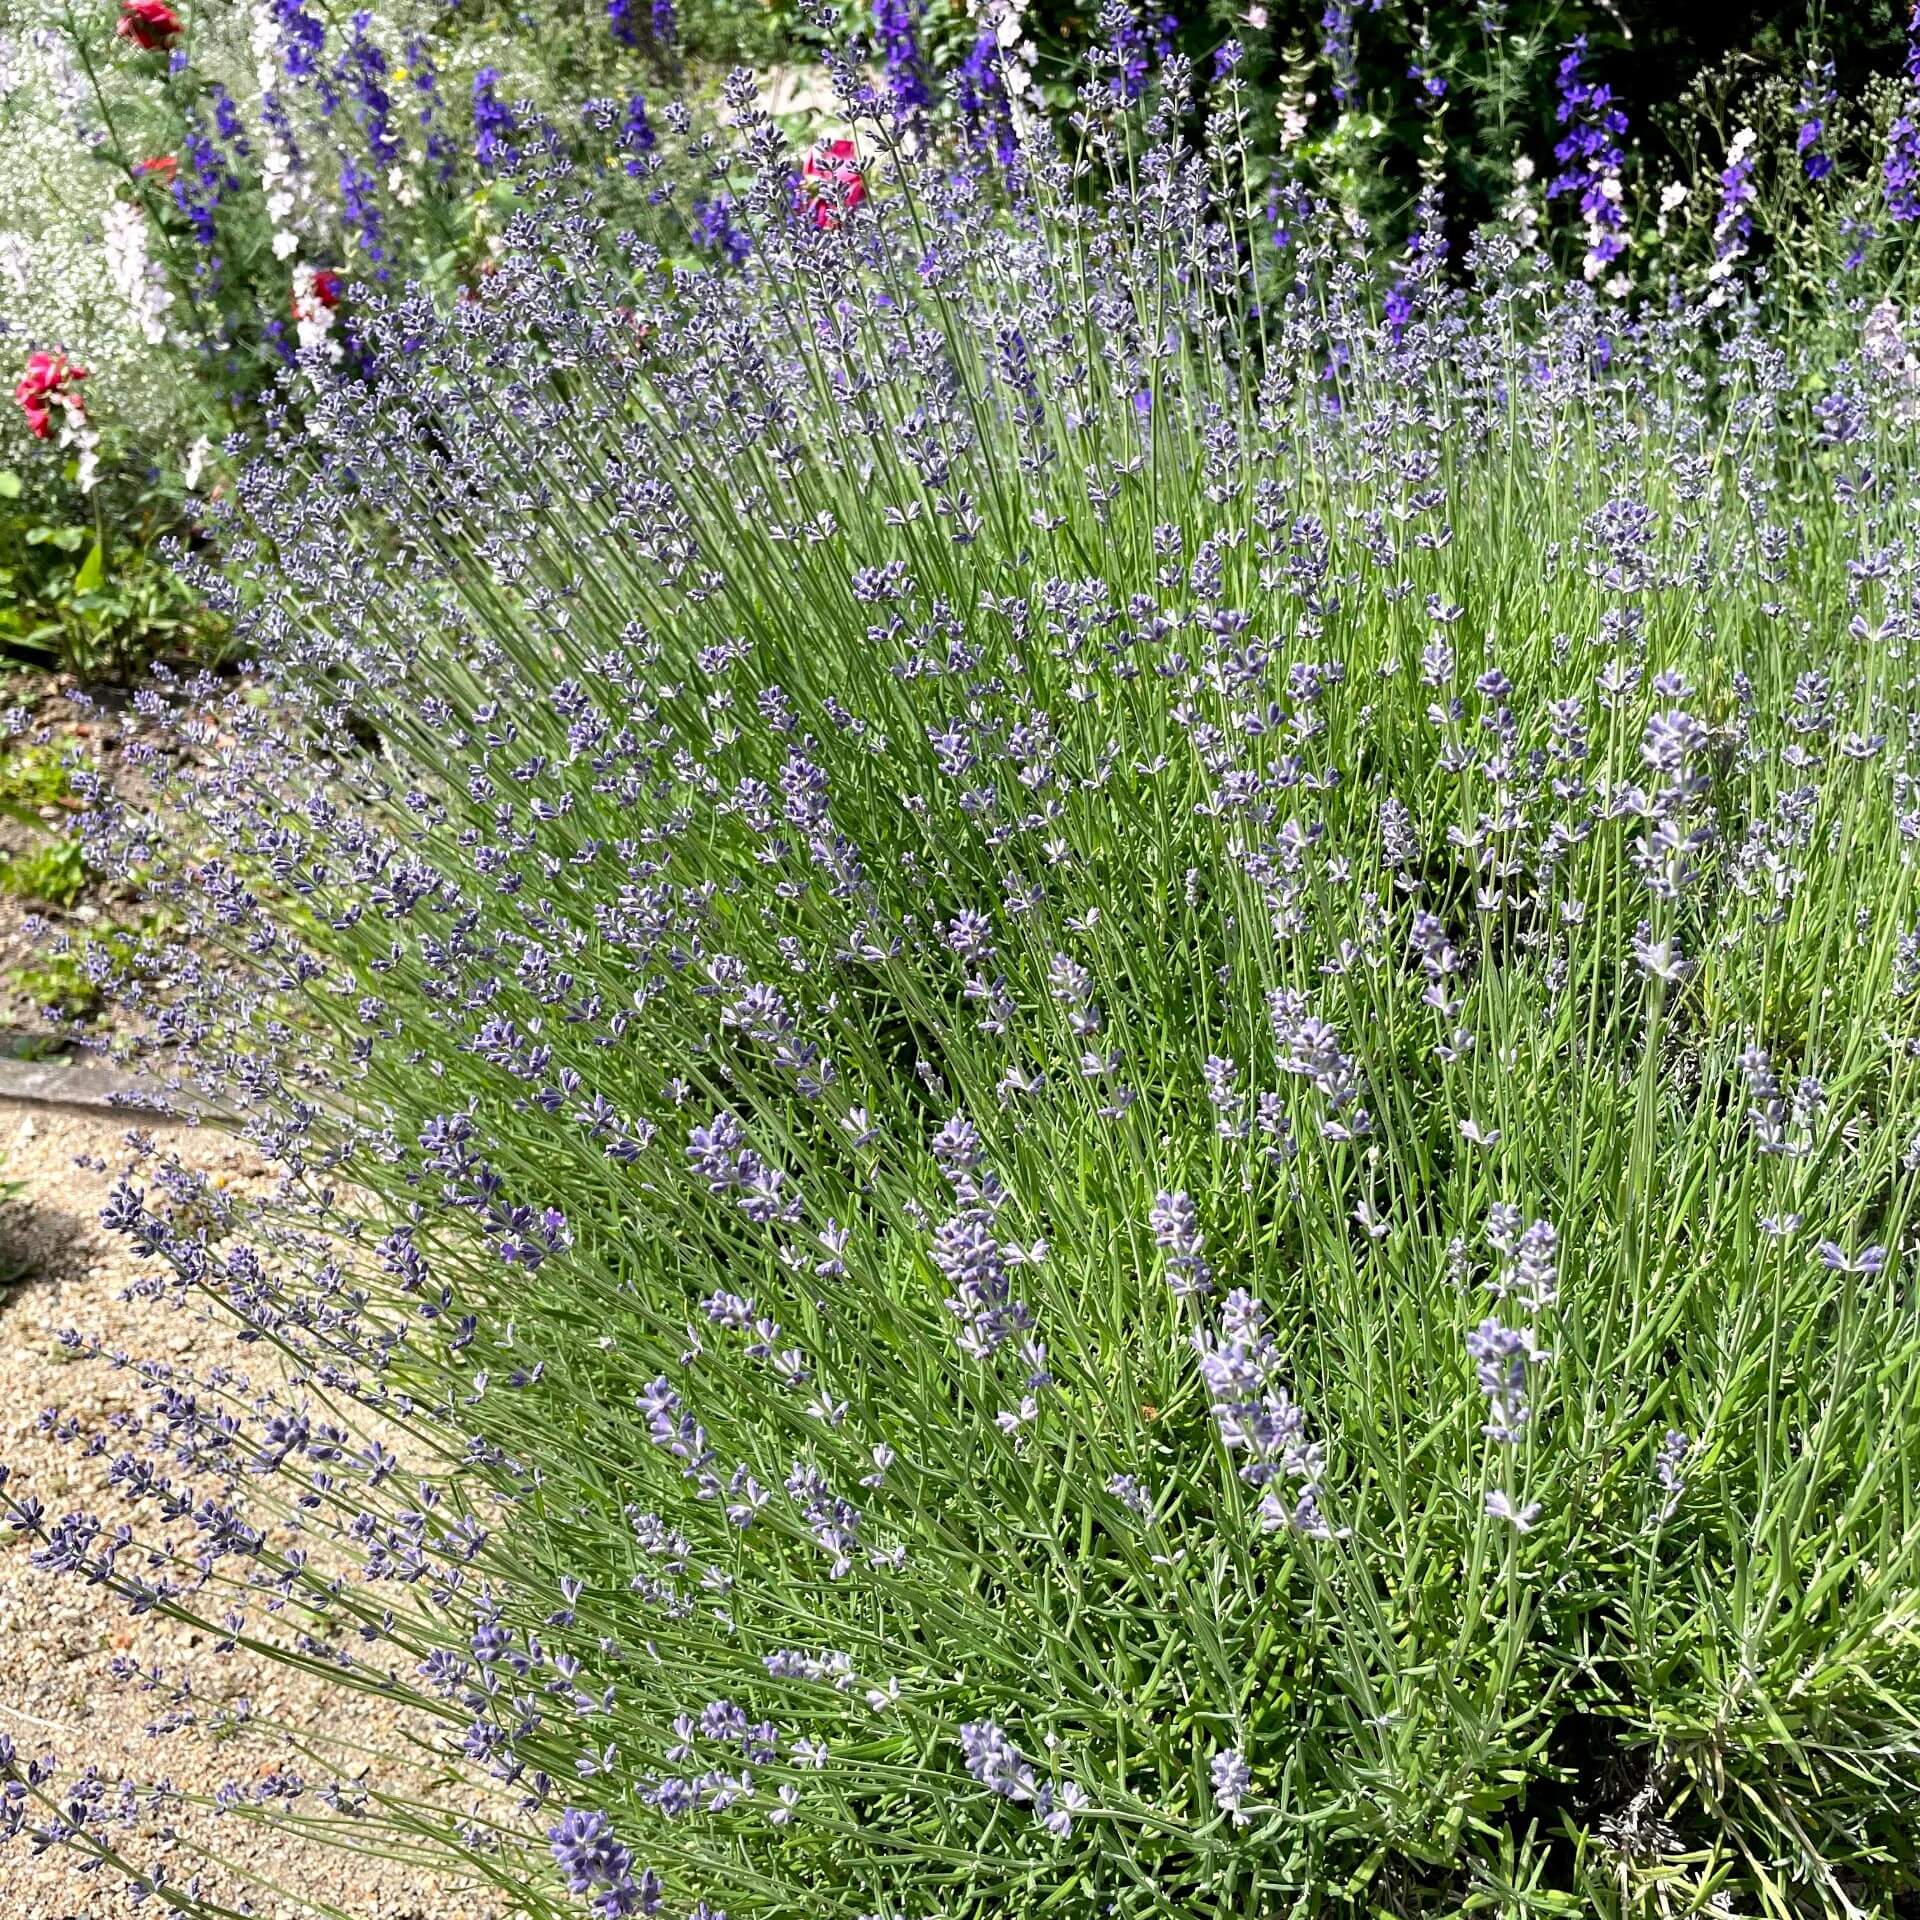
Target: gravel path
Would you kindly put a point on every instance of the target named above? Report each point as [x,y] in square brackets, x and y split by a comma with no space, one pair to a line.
[57,1637]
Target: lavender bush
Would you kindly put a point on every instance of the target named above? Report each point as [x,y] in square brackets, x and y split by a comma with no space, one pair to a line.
[1097,1082]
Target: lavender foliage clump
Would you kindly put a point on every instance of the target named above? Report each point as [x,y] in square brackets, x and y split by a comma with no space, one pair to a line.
[1093,1075]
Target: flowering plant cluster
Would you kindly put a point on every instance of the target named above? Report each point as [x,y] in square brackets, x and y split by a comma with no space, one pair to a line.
[219,163]
[224,157]
[1098,1089]
[188,194]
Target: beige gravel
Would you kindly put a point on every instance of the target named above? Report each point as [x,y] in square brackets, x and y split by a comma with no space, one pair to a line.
[57,1637]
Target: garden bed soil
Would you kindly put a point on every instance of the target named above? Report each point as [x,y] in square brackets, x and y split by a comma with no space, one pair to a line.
[101,725]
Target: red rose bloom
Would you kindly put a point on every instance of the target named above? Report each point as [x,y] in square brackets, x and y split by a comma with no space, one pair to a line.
[48,383]
[148,24]
[831,181]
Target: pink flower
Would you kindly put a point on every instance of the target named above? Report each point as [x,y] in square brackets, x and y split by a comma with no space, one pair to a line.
[48,383]
[832,184]
[148,24]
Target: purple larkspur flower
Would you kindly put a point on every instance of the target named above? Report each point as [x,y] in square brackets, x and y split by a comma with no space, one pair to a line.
[1397,309]
[714,228]
[360,210]
[226,119]
[1815,104]
[1733,224]
[1591,157]
[980,92]
[1900,170]
[896,28]
[424,79]
[1337,49]
[637,137]
[494,127]
[203,182]
[363,69]
[303,40]
[1132,45]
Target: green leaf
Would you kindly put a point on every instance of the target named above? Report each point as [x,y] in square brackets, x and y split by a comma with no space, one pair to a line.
[9,484]
[93,570]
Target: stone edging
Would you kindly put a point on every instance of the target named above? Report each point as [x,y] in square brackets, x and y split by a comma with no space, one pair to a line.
[56,1083]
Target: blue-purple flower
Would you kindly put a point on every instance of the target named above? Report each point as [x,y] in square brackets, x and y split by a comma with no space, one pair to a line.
[1815,104]
[494,127]
[1591,158]
[1338,51]
[980,92]
[715,228]
[637,137]
[1900,170]
[897,30]
[363,67]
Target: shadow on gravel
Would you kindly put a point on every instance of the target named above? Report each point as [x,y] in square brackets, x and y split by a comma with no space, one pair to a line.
[39,1238]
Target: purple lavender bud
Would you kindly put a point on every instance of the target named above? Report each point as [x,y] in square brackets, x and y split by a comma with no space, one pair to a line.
[995,1761]
[1176,1229]
[594,1862]
[1232,1781]
[1503,1359]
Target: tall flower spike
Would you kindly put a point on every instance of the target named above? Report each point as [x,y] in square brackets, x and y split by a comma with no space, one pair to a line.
[1900,170]
[1591,157]
[897,29]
